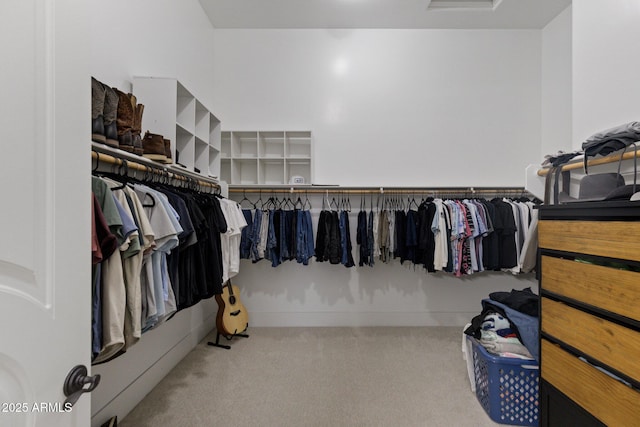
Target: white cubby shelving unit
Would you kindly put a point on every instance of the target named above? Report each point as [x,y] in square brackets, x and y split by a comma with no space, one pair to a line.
[266,157]
[173,112]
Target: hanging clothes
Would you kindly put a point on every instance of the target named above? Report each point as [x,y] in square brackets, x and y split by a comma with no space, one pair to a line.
[164,222]
[113,293]
[426,238]
[155,250]
[401,235]
[441,245]
[272,252]
[278,234]
[231,238]
[506,228]
[328,240]
[246,236]
[362,239]
[345,239]
[333,244]
[254,236]
[304,237]
[132,255]
[456,236]
[383,236]
[411,239]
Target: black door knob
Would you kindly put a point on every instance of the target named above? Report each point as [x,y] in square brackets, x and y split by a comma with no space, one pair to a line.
[74,384]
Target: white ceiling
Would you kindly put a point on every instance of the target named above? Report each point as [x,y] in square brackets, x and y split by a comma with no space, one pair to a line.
[508,14]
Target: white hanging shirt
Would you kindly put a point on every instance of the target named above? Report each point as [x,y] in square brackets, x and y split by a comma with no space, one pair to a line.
[230,240]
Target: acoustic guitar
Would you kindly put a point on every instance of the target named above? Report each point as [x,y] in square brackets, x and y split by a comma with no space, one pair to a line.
[232,317]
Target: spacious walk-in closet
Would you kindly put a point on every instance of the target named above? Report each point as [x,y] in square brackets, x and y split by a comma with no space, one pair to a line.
[309,212]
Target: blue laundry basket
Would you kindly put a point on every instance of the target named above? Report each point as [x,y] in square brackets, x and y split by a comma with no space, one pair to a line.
[507,388]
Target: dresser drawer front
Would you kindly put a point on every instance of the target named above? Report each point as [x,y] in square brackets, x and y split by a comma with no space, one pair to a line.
[614,239]
[617,291]
[601,339]
[605,398]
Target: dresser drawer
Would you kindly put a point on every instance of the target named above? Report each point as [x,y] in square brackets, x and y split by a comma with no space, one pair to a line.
[617,291]
[608,342]
[614,239]
[605,398]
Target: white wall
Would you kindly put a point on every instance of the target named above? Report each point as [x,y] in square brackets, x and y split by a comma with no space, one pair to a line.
[390,107]
[383,295]
[605,66]
[557,96]
[164,39]
[159,38]
[556,85]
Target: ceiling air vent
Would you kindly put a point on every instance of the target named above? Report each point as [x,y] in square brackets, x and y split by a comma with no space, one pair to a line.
[463,5]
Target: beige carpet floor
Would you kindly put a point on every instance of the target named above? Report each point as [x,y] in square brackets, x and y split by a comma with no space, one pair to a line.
[319,377]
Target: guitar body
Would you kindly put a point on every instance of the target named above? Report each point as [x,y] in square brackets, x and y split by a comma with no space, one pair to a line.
[232,317]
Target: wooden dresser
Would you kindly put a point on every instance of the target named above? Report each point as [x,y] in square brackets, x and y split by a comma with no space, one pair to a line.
[590,308]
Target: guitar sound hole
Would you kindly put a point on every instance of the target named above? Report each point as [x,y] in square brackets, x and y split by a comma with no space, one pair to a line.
[232,299]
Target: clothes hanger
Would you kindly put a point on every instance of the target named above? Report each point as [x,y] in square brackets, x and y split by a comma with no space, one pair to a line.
[278,203]
[259,201]
[328,202]
[288,204]
[244,197]
[333,203]
[306,200]
[95,169]
[153,201]
[412,202]
[270,203]
[123,174]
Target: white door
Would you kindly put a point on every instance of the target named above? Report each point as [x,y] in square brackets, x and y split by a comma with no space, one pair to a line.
[45,288]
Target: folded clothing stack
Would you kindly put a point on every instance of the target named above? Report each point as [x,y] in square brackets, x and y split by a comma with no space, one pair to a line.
[508,325]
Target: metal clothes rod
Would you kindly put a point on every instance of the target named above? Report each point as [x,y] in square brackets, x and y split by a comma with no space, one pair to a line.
[159,170]
[469,191]
[578,164]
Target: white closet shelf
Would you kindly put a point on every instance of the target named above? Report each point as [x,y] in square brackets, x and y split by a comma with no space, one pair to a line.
[184,129]
[173,112]
[279,156]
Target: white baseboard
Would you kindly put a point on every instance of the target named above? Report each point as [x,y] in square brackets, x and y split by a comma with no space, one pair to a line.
[319,319]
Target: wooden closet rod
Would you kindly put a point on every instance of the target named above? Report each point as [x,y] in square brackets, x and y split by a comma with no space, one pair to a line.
[160,170]
[469,191]
[579,163]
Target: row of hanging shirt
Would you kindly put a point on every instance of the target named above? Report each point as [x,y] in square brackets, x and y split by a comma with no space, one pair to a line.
[333,240]
[278,230]
[456,236]
[459,236]
[156,249]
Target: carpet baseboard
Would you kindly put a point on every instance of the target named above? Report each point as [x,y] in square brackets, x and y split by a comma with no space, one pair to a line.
[320,319]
